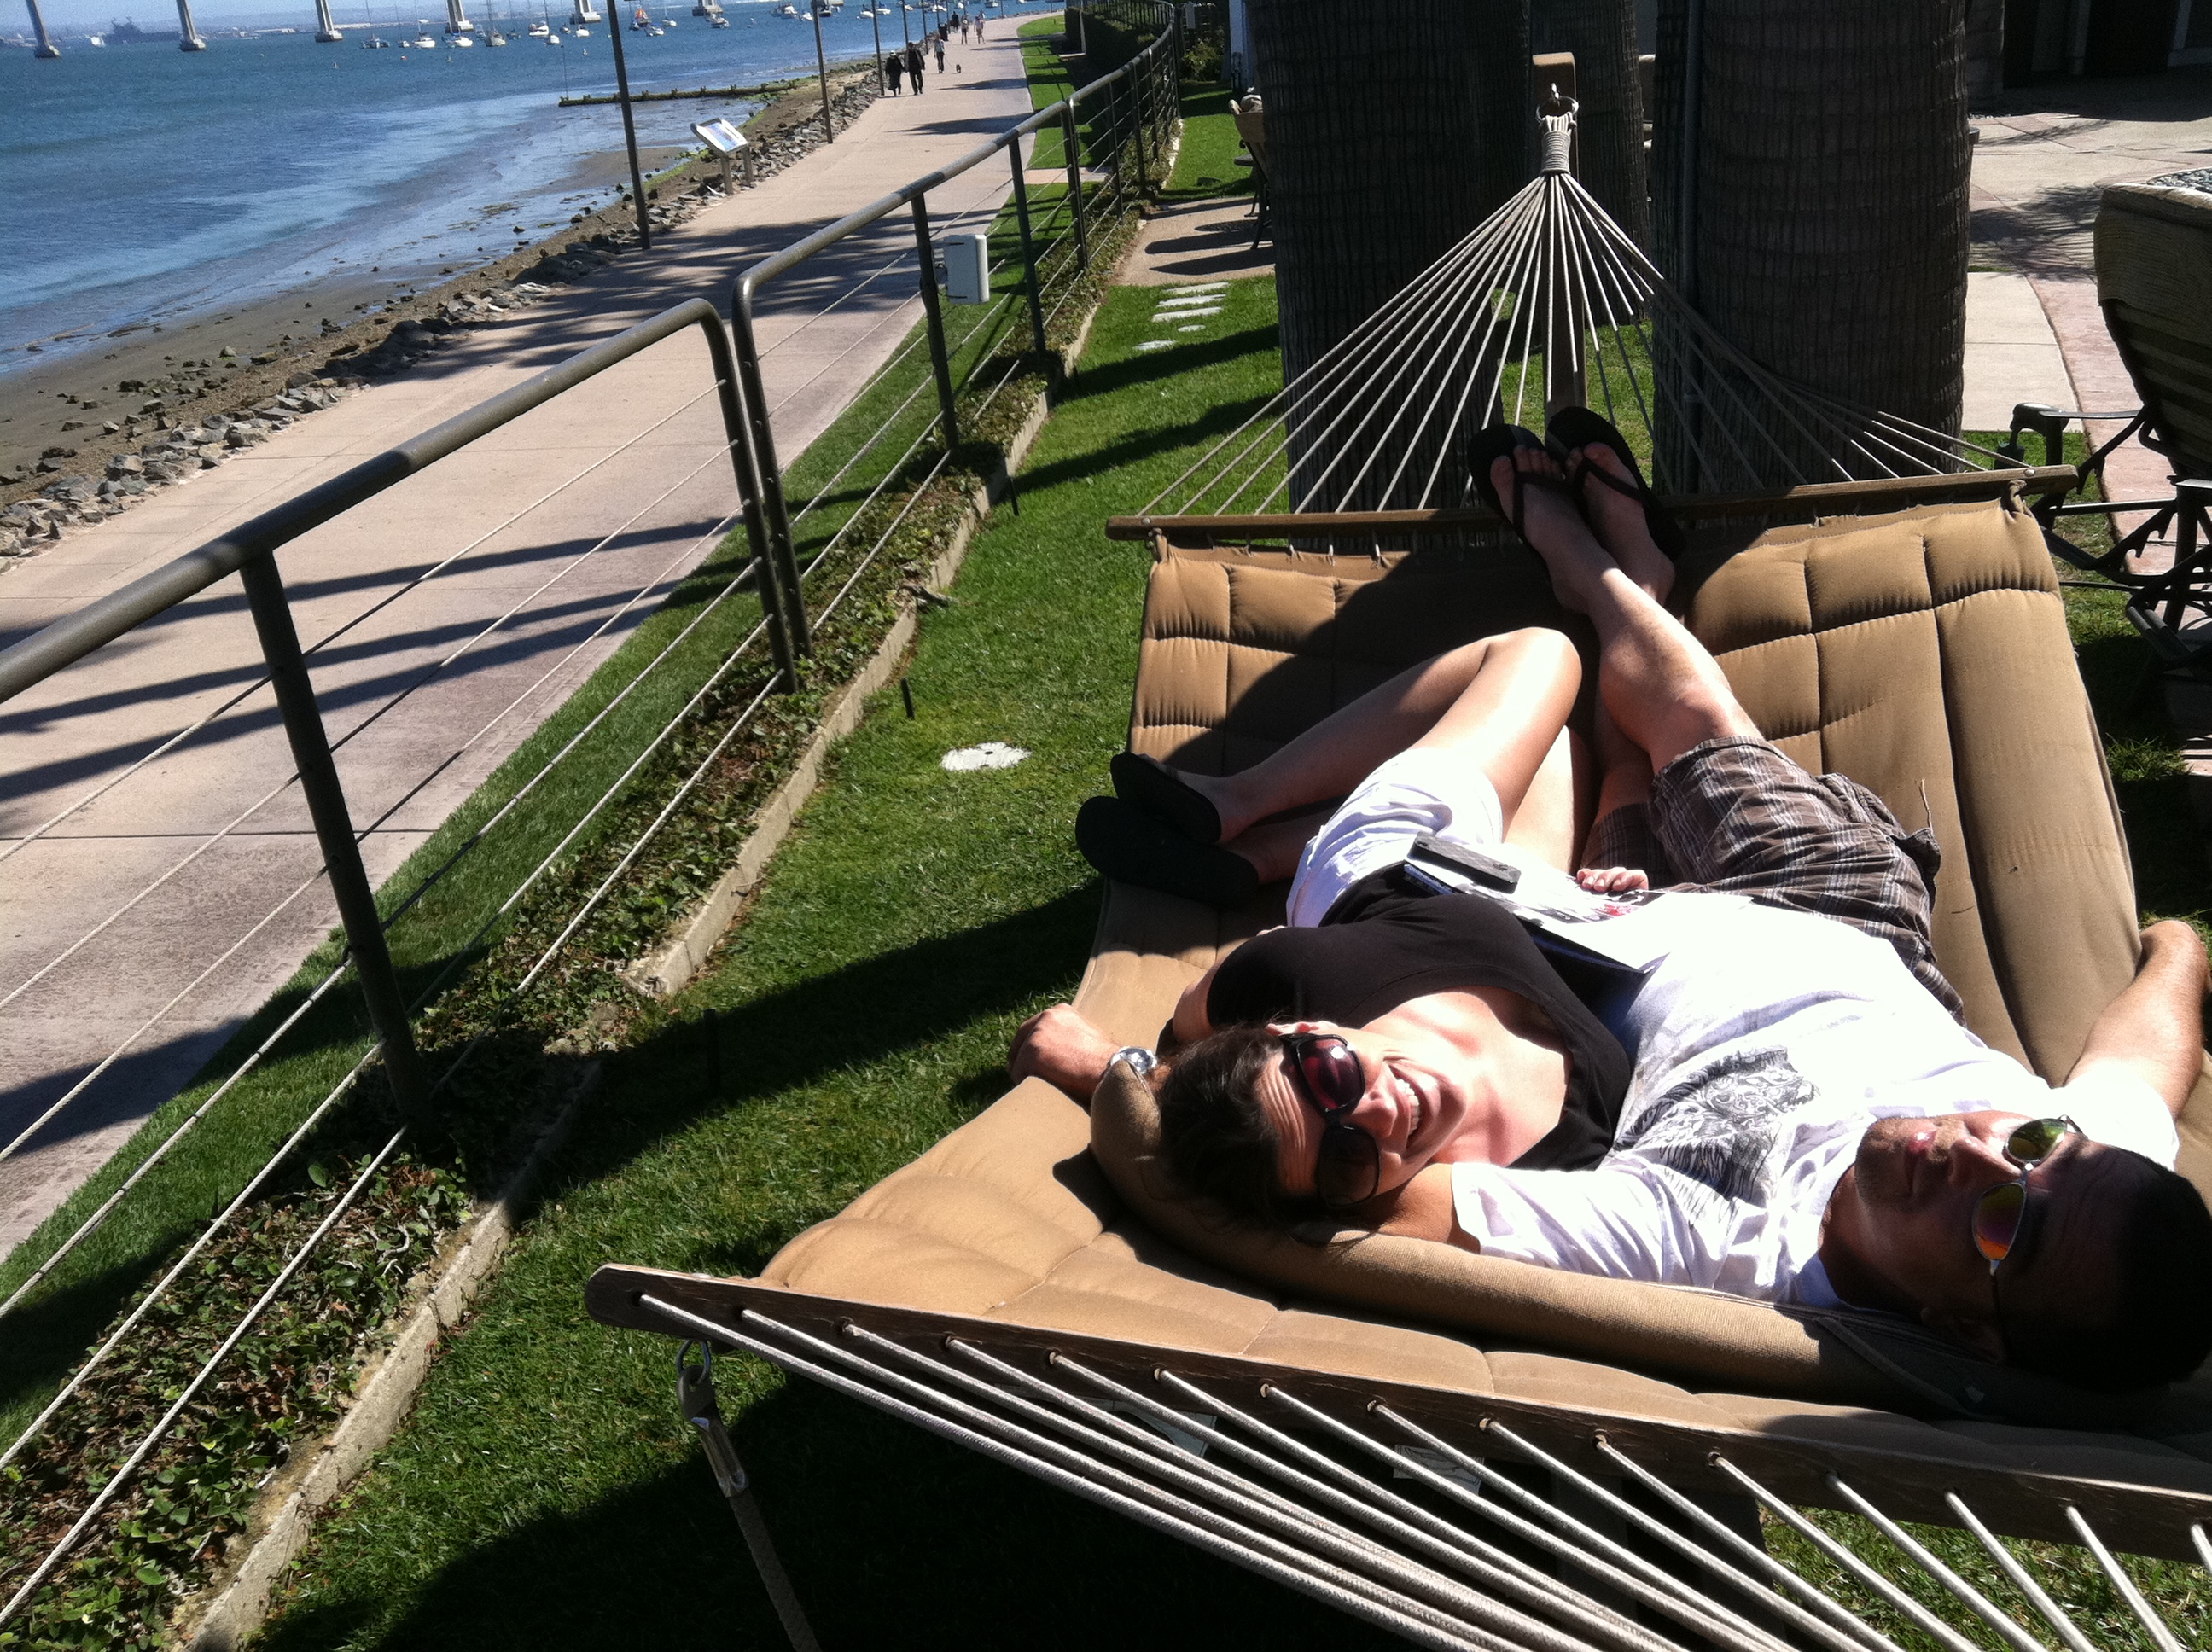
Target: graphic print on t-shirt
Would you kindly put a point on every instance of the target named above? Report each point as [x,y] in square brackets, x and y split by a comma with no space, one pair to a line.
[1717,1127]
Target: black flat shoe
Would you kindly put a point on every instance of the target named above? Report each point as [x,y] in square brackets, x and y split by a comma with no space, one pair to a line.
[1497,442]
[1161,792]
[1577,427]
[1124,842]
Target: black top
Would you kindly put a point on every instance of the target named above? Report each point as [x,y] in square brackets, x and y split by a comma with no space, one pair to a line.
[1384,943]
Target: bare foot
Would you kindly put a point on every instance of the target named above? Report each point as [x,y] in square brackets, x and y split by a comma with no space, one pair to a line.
[1619,521]
[1554,528]
[1612,880]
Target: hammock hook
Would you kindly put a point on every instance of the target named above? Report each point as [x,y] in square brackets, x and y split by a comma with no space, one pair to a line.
[695,1399]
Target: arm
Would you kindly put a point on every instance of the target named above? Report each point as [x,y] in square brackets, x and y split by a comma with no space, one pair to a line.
[1191,1022]
[2153,1031]
[1062,1048]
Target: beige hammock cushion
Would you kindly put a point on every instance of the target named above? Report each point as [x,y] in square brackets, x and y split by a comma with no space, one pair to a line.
[1926,655]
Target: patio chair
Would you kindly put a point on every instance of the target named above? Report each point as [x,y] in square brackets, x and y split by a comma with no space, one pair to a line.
[1025,1289]
[2153,245]
[1252,129]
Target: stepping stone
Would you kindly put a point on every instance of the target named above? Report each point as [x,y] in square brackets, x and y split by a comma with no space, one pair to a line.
[1157,344]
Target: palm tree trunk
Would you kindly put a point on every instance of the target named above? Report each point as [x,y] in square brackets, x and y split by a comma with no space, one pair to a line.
[1392,131]
[1826,234]
[1601,33]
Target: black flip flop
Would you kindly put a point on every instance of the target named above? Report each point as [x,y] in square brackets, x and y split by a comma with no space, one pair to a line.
[1577,427]
[1161,792]
[1123,842]
[1497,442]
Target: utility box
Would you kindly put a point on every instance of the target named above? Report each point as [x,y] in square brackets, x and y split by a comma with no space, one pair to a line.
[965,262]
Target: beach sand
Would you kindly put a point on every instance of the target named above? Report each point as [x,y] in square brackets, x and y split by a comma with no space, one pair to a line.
[35,401]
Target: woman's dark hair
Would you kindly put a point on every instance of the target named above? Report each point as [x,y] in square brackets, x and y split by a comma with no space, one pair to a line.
[1215,1135]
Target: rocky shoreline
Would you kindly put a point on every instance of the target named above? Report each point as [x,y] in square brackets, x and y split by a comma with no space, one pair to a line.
[140,434]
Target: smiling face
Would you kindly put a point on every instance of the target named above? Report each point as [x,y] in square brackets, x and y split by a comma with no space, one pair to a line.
[1414,1107]
[1898,1232]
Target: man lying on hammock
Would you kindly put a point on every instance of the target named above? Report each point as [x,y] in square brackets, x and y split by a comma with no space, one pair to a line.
[1806,1121]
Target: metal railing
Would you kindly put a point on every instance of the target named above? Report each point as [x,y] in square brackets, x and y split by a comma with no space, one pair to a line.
[1142,98]
[1138,110]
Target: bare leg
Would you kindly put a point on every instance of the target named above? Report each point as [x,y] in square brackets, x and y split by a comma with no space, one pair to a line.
[1666,693]
[1548,822]
[1499,702]
[1618,523]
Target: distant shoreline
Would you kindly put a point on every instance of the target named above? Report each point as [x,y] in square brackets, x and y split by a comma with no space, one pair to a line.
[32,409]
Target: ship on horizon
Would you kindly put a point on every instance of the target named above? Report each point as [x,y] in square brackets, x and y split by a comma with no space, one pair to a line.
[124,32]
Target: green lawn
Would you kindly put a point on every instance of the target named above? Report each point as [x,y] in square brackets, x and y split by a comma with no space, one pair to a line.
[545,1494]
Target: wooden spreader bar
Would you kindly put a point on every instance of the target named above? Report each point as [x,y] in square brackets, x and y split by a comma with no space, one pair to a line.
[1856,496]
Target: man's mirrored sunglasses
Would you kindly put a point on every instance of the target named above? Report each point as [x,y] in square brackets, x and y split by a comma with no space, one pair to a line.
[2001,1211]
[1331,1080]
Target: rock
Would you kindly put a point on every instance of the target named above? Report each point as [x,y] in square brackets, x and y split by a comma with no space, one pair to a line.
[130,487]
[265,358]
[298,379]
[111,428]
[229,353]
[163,470]
[59,453]
[69,425]
[48,465]
[124,464]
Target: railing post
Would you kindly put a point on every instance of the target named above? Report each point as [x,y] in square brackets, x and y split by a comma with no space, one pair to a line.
[1072,142]
[930,309]
[1139,126]
[774,541]
[326,805]
[1029,251]
[775,601]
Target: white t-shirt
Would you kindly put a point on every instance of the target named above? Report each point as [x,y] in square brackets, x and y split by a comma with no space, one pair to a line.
[1765,1045]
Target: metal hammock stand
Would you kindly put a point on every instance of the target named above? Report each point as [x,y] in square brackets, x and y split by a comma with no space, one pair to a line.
[1452,1519]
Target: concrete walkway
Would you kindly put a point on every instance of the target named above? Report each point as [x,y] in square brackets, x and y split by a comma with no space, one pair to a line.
[565,515]
[2043,156]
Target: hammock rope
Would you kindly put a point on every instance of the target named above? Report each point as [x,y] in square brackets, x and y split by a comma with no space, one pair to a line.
[1547,303]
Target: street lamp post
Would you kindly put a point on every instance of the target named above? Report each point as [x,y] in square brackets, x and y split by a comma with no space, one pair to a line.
[629,129]
[876,28]
[822,67]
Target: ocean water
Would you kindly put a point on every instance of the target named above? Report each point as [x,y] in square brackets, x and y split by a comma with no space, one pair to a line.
[143,182]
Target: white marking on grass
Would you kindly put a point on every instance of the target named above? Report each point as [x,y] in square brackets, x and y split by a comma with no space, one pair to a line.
[992,753]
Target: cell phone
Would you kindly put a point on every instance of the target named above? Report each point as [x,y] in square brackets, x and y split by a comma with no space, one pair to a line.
[1468,863]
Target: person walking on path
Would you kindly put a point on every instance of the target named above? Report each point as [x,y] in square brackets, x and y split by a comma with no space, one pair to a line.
[940,51]
[913,65]
[895,71]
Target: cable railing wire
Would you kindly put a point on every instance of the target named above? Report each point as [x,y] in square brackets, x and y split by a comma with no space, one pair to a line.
[995,315]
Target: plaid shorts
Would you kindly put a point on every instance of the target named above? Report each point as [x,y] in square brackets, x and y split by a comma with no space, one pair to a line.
[1736,815]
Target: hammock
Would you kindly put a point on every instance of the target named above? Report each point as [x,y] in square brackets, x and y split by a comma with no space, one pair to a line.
[1343,1423]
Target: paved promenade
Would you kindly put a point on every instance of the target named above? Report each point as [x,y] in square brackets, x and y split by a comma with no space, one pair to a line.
[563,517]
[2040,163]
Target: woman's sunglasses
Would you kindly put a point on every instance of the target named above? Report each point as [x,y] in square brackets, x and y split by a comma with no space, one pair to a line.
[1332,1081]
[2000,1212]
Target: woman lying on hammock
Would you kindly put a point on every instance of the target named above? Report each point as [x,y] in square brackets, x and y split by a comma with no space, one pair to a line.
[1806,1121]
